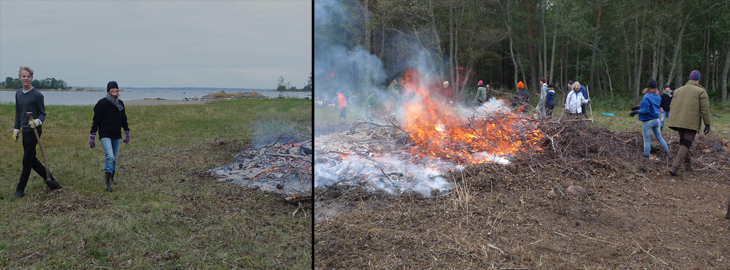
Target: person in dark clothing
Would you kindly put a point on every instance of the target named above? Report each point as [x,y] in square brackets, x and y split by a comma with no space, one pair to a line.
[521,98]
[691,107]
[28,99]
[550,100]
[584,92]
[109,118]
[664,105]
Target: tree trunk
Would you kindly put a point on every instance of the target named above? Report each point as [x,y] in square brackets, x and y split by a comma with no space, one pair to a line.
[577,63]
[655,57]
[531,50]
[724,76]
[628,58]
[367,42]
[451,46]
[661,61]
[552,57]
[677,47]
[640,56]
[544,41]
[679,79]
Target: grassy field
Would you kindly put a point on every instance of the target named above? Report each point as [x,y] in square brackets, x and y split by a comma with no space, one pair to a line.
[166,211]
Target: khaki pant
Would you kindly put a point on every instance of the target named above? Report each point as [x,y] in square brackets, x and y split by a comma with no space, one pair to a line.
[686,136]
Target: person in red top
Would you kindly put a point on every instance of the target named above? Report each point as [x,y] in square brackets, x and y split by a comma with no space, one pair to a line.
[343,104]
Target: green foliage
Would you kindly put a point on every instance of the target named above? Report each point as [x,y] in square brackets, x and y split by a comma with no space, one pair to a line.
[619,48]
[47,83]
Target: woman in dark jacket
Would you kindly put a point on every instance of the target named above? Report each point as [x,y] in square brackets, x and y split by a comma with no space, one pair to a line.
[666,101]
[550,100]
[109,118]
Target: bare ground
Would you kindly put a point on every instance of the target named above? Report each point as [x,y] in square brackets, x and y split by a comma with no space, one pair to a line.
[634,215]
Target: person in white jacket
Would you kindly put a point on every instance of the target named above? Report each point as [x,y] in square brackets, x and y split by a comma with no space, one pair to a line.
[573,101]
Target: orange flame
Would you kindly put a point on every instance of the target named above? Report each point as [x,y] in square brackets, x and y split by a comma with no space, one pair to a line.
[439,132]
[266,171]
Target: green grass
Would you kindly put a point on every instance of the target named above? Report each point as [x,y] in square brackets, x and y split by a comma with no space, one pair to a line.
[165,211]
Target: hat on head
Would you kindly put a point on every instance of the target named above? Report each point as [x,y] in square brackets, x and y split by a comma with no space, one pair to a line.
[542,80]
[520,85]
[111,85]
[575,85]
[666,85]
[651,84]
[480,82]
[551,85]
[694,76]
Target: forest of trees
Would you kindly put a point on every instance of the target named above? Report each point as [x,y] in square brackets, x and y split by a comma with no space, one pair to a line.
[612,46]
[47,83]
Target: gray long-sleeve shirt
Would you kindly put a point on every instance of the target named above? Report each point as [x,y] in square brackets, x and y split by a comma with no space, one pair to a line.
[32,101]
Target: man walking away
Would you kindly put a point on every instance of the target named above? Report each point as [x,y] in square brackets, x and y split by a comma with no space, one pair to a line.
[690,107]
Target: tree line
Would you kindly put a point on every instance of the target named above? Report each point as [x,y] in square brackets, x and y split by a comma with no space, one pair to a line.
[282,85]
[612,46]
[47,83]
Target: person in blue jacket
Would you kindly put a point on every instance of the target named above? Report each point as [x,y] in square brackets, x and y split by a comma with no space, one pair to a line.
[648,112]
[550,100]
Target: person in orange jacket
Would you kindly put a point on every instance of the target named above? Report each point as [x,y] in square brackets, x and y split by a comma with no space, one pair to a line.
[343,104]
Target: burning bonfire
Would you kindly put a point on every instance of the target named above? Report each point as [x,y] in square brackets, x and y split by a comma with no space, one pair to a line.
[433,137]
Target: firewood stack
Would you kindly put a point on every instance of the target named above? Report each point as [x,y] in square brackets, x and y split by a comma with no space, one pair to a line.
[279,168]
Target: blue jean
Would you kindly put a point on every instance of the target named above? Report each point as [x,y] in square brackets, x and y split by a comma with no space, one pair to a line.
[647,128]
[111,150]
[663,116]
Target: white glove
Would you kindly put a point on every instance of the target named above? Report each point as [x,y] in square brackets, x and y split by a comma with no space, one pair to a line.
[15,134]
[35,123]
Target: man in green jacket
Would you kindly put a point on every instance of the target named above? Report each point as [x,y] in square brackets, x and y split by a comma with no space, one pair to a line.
[690,106]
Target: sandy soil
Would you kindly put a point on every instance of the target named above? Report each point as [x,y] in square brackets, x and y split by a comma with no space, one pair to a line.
[635,215]
[155,102]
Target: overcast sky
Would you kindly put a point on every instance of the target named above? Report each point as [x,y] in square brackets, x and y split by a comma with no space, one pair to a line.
[226,44]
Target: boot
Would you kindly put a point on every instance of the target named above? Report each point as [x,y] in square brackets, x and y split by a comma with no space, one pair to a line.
[687,165]
[18,194]
[113,178]
[52,183]
[681,157]
[108,181]
[727,216]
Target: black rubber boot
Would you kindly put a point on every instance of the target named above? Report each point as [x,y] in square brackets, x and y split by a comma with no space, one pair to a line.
[53,184]
[18,194]
[113,183]
[108,181]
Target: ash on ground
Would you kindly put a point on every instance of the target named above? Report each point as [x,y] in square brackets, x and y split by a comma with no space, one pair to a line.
[280,168]
[374,158]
